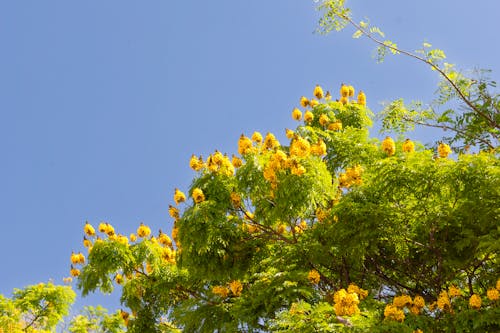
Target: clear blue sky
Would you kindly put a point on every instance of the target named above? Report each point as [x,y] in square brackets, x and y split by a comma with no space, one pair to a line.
[103,102]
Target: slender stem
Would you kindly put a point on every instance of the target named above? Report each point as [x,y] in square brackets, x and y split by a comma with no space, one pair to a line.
[434,66]
[445,127]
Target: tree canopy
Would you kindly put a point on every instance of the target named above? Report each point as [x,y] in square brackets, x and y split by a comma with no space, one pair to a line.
[333,230]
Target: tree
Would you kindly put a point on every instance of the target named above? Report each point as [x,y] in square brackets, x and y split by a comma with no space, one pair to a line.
[334,232]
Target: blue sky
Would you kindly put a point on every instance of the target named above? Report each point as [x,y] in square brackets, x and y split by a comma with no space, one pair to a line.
[103,102]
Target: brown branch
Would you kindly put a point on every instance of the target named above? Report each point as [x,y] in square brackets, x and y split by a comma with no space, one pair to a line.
[446,127]
[433,66]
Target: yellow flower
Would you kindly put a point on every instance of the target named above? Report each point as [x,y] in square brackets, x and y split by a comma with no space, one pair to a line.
[475,301]
[313,103]
[235,199]
[296,114]
[179,196]
[351,90]
[298,170]
[361,98]
[308,116]
[453,291]
[122,239]
[493,294]
[419,301]
[415,310]
[119,278]
[353,288]
[198,195]
[281,228]
[110,231]
[195,163]
[249,215]
[244,145]
[388,146]
[408,146]
[257,137]
[313,276]
[164,239]
[336,126]
[318,92]
[236,161]
[402,301]
[392,312]
[103,227]
[289,133]
[345,303]
[173,212]
[74,272]
[304,101]
[220,291]
[86,242]
[328,96]
[319,149]
[270,141]
[143,230]
[443,301]
[344,100]
[132,237]
[324,120]
[236,287]
[344,90]
[443,150]
[300,147]
[75,258]
[89,229]
[418,331]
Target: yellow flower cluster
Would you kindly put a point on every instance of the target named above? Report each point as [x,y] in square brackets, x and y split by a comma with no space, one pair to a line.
[89,229]
[319,148]
[179,196]
[143,230]
[388,146]
[443,301]
[77,258]
[395,311]
[196,163]
[408,146]
[300,147]
[270,142]
[443,150]
[351,176]
[475,301]
[235,199]
[245,145]
[173,212]
[198,195]
[453,291]
[345,303]
[313,276]
[236,287]
[218,163]
[493,294]
[106,228]
[335,126]
[296,114]
[392,312]
[221,291]
[353,288]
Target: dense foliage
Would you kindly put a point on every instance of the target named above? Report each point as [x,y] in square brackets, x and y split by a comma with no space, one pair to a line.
[333,230]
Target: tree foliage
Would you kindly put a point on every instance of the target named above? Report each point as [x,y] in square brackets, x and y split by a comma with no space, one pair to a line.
[329,230]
